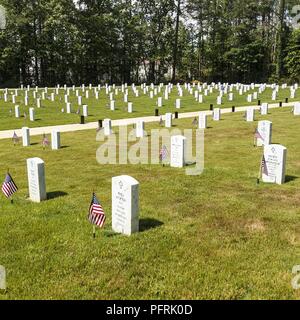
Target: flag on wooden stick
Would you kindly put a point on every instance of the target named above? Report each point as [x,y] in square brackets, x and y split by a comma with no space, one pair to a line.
[9,187]
[96,213]
[45,141]
[257,136]
[161,122]
[195,122]
[263,169]
[15,138]
[163,153]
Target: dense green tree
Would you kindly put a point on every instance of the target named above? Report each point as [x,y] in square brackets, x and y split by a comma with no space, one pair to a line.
[92,41]
[293,57]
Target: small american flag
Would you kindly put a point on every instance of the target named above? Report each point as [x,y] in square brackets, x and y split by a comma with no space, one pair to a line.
[257,135]
[163,153]
[264,166]
[45,141]
[96,215]
[9,188]
[195,122]
[161,122]
[15,138]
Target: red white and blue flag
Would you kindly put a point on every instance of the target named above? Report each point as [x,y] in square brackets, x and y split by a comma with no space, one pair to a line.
[9,187]
[96,215]
[45,141]
[15,138]
[264,166]
[163,153]
[257,135]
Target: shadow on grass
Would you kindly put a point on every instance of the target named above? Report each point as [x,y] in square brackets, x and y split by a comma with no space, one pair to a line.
[56,194]
[190,163]
[149,224]
[290,178]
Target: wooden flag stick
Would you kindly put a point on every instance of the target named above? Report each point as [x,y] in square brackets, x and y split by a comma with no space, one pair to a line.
[94,227]
[260,171]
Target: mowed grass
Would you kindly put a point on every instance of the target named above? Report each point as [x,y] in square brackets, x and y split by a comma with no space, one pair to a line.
[51,112]
[214,236]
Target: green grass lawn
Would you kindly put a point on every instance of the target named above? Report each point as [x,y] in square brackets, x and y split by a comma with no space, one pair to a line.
[51,114]
[214,236]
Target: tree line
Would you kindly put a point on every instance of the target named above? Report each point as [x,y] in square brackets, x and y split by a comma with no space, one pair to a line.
[46,42]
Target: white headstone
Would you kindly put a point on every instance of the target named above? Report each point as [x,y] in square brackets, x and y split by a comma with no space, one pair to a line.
[31,114]
[169,118]
[202,120]
[178,151]
[159,102]
[130,107]
[26,137]
[17,111]
[140,129]
[178,103]
[69,110]
[250,115]
[219,100]
[55,140]
[293,94]
[297,109]
[85,111]
[265,131]
[275,157]
[107,127]
[217,114]
[36,179]
[125,205]
[264,109]
[112,105]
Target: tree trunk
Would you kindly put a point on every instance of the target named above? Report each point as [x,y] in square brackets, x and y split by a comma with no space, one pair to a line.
[175,49]
[280,35]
